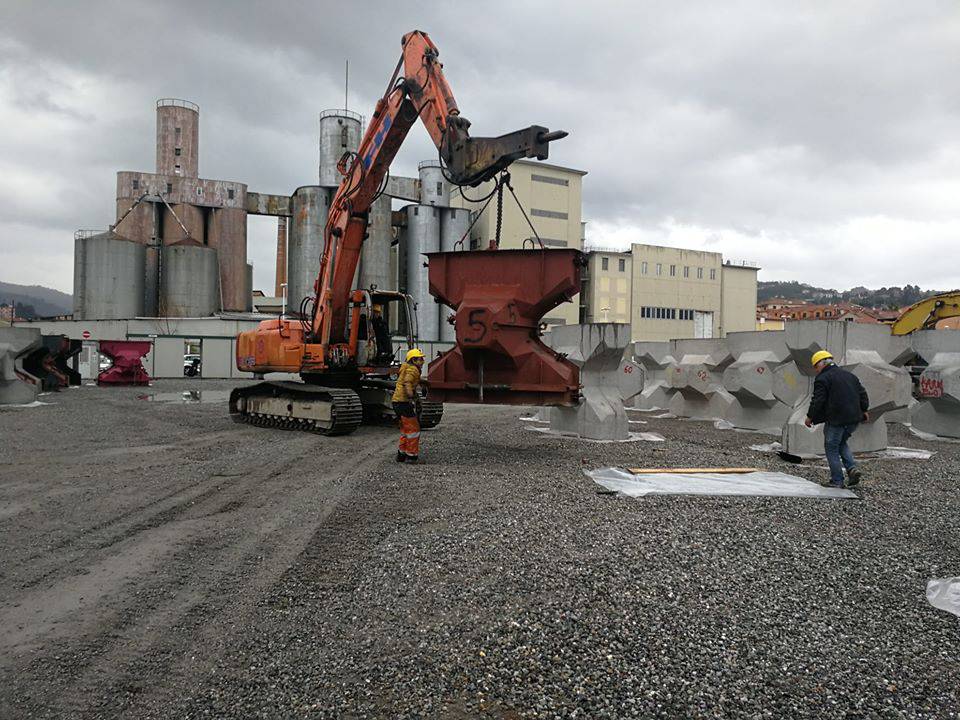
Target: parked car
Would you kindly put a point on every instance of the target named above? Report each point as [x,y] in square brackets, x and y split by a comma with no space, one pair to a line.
[191,365]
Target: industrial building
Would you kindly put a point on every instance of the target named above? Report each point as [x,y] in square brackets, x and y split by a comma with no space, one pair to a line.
[177,250]
[551,197]
[666,293]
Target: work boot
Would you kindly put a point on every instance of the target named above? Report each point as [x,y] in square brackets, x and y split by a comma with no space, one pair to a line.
[401,457]
[830,484]
[853,477]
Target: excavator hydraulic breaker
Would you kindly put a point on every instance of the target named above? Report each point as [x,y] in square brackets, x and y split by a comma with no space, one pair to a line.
[500,297]
[127,368]
[472,160]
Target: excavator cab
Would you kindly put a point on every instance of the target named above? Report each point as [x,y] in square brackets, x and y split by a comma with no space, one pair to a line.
[379,315]
[382,327]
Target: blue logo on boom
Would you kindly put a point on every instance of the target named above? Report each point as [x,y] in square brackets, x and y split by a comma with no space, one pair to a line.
[377,142]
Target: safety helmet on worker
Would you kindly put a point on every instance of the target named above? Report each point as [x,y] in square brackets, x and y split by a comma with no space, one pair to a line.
[819,356]
[414,353]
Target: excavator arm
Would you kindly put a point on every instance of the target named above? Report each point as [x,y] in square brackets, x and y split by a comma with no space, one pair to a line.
[420,92]
[925,314]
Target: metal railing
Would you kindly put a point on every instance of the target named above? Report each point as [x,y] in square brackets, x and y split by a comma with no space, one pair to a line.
[83,234]
[176,102]
[741,263]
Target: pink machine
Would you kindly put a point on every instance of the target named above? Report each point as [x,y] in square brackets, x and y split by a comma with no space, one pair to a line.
[127,368]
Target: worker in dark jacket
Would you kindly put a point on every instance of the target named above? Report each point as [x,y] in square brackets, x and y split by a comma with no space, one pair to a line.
[840,402]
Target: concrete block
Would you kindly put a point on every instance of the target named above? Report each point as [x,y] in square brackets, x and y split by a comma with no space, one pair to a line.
[599,350]
[696,375]
[889,388]
[868,351]
[654,360]
[798,439]
[938,410]
[17,386]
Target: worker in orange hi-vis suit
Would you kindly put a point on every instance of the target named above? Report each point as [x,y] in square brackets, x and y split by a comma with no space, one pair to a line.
[405,405]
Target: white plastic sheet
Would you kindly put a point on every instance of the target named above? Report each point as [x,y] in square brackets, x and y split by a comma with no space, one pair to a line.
[633,437]
[930,436]
[944,594]
[762,483]
[889,453]
[35,403]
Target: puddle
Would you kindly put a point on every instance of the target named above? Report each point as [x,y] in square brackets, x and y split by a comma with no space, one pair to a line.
[188,396]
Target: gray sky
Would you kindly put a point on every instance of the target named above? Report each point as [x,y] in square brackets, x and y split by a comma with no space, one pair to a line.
[820,139]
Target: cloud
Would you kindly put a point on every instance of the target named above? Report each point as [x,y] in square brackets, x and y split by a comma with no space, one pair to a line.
[818,139]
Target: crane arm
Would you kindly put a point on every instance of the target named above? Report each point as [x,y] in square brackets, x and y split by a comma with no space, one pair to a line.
[923,315]
[422,92]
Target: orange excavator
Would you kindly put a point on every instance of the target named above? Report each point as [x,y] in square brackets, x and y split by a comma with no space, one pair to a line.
[346,375]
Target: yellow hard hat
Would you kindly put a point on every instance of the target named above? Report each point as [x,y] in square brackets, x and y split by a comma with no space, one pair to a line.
[378,308]
[820,355]
[414,353]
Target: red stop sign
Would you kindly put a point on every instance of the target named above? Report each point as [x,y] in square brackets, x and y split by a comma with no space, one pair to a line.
[86,334]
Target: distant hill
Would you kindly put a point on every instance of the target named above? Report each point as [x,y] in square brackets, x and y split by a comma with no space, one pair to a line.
[44,301]
[885,298]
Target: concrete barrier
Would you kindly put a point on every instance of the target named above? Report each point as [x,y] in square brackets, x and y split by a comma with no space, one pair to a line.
[654,360]
[608,379]
[763,380]
[696,374]
[865,350]
[938,410]
[17,386]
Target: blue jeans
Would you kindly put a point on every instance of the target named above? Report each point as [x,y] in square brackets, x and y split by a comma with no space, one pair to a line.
[838,453]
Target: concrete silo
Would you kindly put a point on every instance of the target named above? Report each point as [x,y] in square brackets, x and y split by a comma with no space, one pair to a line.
[311,204]
[178,137]
[339,133]
[454,226]
[108,277]
[434,187]
[189,280]
[422,236]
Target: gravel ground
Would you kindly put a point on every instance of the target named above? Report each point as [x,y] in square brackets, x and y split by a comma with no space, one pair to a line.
[160,561]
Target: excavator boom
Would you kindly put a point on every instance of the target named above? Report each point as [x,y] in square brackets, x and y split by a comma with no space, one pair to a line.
[422,92]
[925,314]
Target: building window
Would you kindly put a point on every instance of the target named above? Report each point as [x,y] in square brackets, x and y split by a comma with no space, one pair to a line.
[439,188]
[643,267]
[699,273]
[621,265]
[548,214]
[169,188]
[199,191]
[136,184]
[176,151]
[550,180]
[713,273]
[605,263]
[673,271]
[230,194]
[176,131]
[659,269]
[176,169]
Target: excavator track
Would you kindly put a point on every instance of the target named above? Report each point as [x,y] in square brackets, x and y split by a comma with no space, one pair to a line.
[297,406]
[430,414]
